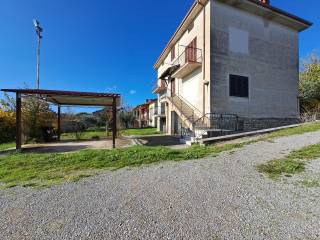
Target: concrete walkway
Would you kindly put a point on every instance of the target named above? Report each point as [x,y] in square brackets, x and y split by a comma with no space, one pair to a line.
[73,146]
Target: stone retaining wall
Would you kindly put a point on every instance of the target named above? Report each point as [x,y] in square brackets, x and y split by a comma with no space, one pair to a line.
[252,124]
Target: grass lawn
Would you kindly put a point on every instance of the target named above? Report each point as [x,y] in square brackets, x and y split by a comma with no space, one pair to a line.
[294,163]
[87,135]
[4,146]
[140,131]
[305,128]
[41,170]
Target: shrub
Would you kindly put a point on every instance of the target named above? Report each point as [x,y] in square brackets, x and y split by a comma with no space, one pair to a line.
[7,126]
[310,85]
[77,128]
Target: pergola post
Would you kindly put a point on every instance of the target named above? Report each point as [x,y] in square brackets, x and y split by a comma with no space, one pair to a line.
[59,122]
[18,121]
[114,122]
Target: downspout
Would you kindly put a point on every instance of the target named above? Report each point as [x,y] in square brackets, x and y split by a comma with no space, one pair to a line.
[203,58]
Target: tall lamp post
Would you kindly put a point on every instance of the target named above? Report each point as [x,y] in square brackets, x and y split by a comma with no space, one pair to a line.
[39,31]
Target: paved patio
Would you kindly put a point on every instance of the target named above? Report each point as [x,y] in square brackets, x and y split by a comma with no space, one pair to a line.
[161,140]
[73,146]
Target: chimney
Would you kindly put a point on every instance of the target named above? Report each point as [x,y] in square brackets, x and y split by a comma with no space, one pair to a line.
[267,2]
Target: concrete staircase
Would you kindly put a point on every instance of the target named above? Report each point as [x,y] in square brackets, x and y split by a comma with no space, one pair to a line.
[188,115]
[184,111]
[197,126]
[182,106]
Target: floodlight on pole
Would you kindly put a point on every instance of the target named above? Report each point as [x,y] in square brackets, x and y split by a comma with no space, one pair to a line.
[39,31]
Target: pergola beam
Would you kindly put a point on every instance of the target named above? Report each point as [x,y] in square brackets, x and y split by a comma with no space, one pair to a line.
[59,122]
[114,122]
[18,121]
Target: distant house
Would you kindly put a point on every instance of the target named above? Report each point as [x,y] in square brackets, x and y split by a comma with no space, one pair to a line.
[230,65]
[145,114]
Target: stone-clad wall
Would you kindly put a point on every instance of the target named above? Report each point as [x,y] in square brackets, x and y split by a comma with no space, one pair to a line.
[252,124]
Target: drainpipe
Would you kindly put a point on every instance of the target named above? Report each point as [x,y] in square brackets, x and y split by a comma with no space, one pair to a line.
[200,2]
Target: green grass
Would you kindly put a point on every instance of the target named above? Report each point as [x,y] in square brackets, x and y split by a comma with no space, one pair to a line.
[41,170]
[87,135]
[4,146]
[292,164]
[314,183]
[140,132]
[305,128]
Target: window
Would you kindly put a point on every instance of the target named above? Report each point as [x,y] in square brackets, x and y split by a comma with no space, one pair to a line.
[173,53]
[238,86]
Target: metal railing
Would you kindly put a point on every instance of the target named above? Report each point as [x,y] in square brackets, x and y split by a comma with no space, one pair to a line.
[157,85]
[159,110]
[185,106]
[190,55]
[220,123]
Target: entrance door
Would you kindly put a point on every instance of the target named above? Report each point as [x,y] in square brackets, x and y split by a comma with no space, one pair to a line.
[173,87]
[174,123]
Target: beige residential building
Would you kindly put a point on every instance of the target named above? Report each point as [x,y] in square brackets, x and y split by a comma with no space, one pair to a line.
[232,65]
[145,114]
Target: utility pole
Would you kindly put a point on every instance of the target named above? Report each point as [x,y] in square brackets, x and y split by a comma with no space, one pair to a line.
[39,31]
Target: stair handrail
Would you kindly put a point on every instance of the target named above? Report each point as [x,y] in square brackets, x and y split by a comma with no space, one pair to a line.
[221,115]
[193,108]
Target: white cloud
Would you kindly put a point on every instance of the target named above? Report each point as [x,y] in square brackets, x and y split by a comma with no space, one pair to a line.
[111,88]
[132,92]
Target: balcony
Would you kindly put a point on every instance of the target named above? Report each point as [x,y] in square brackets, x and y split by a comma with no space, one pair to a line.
[160,111]
[189,61]
[160,88]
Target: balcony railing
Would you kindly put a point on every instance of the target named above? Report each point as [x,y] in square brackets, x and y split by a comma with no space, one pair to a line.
[157,111]
[190,55]
[189,60]
[159,88]
[160,111]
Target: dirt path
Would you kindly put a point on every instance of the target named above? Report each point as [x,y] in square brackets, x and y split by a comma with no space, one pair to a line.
[214,198]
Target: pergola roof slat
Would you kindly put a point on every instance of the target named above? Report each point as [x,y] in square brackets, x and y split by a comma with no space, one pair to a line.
[71,97]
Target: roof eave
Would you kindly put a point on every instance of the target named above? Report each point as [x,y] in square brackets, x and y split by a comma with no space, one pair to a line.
[302,24]
[194,10]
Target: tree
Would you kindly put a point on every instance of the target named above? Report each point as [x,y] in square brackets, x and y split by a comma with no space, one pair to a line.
[8,104]
[7,126]
[126,117]
[37,117]
[310,84]
[7,119]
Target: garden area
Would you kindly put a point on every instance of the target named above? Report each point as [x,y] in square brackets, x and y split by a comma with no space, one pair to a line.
[101,133]
[46,169]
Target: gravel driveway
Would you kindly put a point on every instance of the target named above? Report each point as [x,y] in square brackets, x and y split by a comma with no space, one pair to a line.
[213,198]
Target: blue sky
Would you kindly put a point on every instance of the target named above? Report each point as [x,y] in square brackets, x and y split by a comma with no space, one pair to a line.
[103,45]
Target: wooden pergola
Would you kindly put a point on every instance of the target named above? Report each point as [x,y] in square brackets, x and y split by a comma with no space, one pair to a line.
[66,98]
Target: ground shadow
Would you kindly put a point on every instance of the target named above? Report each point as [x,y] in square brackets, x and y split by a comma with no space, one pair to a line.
[54,149]
[153,141]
